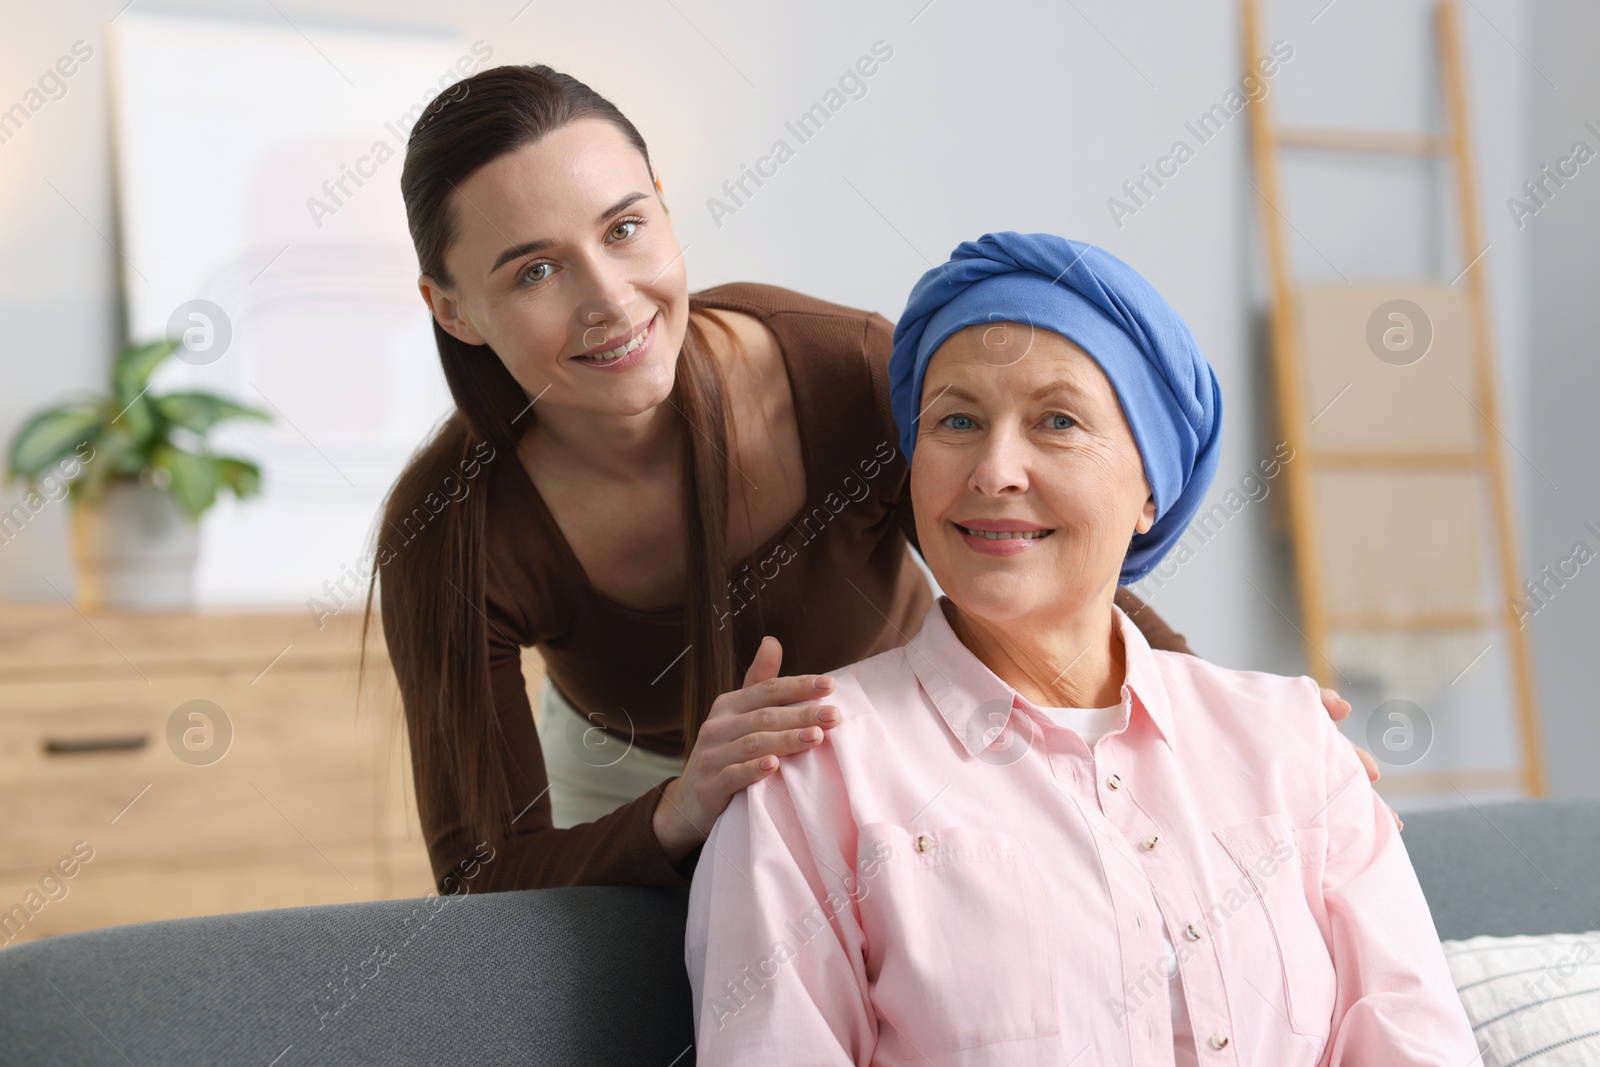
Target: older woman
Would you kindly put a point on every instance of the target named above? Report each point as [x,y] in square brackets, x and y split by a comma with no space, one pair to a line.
[1034,839]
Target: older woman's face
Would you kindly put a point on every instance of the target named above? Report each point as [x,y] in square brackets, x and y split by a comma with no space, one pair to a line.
[1026,480]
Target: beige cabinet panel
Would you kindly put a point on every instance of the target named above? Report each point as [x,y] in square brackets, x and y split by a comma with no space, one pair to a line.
[310,801]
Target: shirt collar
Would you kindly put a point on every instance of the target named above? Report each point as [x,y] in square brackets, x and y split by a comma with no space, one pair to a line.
[976,703]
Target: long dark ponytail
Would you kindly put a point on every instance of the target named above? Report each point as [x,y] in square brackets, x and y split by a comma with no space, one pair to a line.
[433,589]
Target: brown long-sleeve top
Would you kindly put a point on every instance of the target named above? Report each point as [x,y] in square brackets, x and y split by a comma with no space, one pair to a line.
[836,585]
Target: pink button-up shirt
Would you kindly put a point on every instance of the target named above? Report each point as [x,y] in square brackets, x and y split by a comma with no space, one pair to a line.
[953,878]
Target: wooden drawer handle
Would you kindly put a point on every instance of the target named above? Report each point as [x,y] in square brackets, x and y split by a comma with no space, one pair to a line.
[77,746]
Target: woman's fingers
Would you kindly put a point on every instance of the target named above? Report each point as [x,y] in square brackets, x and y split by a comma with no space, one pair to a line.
[754,746]
[735,729]
[773,692]
[737,776]
[733,757]
[1338,707]
[764,665]
[747,759]
[758,754]
[1368,762]
[749,728]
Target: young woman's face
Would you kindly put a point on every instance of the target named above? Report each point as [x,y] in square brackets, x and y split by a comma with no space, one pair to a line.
[564,253]
[1022,432]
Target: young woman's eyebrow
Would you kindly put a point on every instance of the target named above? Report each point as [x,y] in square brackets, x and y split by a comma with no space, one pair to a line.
[530,247]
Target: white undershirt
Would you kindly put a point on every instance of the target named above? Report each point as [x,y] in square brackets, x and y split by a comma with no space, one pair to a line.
[1092,724]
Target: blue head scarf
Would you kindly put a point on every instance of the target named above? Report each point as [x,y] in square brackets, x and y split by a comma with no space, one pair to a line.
[1167,389]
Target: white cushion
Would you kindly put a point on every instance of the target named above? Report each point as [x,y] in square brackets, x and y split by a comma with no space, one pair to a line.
[1533,1001]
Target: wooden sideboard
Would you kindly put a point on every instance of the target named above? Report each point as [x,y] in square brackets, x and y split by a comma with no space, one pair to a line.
[125,800]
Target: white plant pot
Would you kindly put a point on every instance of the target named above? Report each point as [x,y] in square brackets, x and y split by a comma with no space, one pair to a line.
[135,551]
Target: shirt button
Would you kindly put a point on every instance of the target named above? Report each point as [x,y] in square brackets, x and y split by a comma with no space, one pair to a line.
[1114,782]
[1150,842]
[1193,932]
[924,842]
[1219,1041]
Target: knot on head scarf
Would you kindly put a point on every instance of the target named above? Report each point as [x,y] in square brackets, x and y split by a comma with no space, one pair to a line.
[1167,390]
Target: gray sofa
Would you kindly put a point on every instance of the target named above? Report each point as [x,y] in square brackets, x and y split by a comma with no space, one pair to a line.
[569,976]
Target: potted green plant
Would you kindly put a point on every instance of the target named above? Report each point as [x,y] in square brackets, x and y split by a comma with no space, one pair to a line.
[139,473]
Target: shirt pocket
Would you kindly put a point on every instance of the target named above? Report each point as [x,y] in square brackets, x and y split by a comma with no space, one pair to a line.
[1280,867]
[960,949]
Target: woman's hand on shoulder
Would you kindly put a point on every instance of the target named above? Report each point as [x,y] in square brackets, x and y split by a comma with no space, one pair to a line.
[1339,709]
[740,742]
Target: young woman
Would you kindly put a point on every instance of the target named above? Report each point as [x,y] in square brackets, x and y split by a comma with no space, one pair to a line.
[993,864]
[654,489]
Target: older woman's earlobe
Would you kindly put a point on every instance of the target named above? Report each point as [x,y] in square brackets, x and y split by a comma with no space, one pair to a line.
[1147,516]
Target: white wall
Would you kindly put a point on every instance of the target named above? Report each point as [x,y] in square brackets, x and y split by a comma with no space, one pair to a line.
[59,283]
[1563,242]
[994,116]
